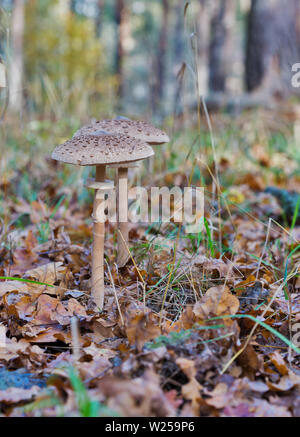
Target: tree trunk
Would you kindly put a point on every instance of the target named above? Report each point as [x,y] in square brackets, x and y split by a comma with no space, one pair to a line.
[73,6]
[178,54]
[273,43]
[178,37]
[259,43]
[99,17]
[120,19]
[17,61]
[203,36]
[218,50]
[161,60]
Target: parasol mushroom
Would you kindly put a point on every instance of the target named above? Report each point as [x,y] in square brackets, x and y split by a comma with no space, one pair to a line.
[140,131]
[100,150]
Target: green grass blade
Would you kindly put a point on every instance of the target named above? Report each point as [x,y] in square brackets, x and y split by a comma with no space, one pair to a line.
[9,278]
[210,241]
[286,268]
[296,212]
[264,325]
[60,201]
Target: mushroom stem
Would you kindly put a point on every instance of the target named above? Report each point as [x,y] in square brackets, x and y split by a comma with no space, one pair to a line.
[98,242]
[122,215]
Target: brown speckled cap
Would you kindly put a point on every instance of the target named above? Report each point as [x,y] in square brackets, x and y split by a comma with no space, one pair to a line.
[101,150]
[139,130]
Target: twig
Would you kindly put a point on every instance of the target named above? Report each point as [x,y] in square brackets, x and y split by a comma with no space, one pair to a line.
[75,341]
[252,330]
[115,292]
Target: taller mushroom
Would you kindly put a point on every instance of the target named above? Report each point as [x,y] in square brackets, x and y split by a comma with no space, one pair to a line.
[140,131]
[100,151]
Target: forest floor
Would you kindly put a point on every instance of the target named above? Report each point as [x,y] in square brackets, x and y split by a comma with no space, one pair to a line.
[219,335]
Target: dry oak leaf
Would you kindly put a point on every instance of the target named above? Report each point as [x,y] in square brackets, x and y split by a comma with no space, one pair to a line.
[286,383]
[8,286]
[96,352]
[186,320]
[76,309]
[22,262]
[172,398]
[138,397]
[234,392]
[257,408]
[187,366]
[102,329]
[255,181]
[13,395]
[19,306]
[95,367]
[217,301]
[140,326]
[219,396]
[279,363]
[42,334]
[51,310]
[48,273]
[250,361]
[241,410]
[240,287]
[263,408]
[208,264]
[191,390]
[13,349]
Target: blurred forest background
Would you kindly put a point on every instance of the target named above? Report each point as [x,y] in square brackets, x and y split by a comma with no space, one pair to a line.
[154,58]
[217,76]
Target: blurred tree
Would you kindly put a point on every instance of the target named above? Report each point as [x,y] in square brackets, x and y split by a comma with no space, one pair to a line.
[178,54]
[99,17]
[161,58]
[219,45]
[65,63]
[3,29]
[273,45]
[17,61]
[120,18]
[203,40]
[66,52]
[73,6]
[178,37]
[144,33]
[259,43]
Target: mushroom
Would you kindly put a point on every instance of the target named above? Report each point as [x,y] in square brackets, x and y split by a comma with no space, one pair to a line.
[134,128]
[140,131]
[100,150]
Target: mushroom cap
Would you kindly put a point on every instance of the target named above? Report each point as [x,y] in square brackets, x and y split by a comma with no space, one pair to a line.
[101,150]
[137,129]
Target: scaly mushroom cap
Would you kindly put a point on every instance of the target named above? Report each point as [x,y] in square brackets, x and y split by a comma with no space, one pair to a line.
[137,129]
[101,150]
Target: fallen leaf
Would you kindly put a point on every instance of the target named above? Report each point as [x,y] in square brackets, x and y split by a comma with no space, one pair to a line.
[217,301]
[13,395]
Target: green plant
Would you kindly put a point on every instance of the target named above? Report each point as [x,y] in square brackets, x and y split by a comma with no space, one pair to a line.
[87,407]
[178,338]
[44,232]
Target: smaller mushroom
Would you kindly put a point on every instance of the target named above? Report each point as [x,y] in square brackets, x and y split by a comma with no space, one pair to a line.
[100,150]
[140,131]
